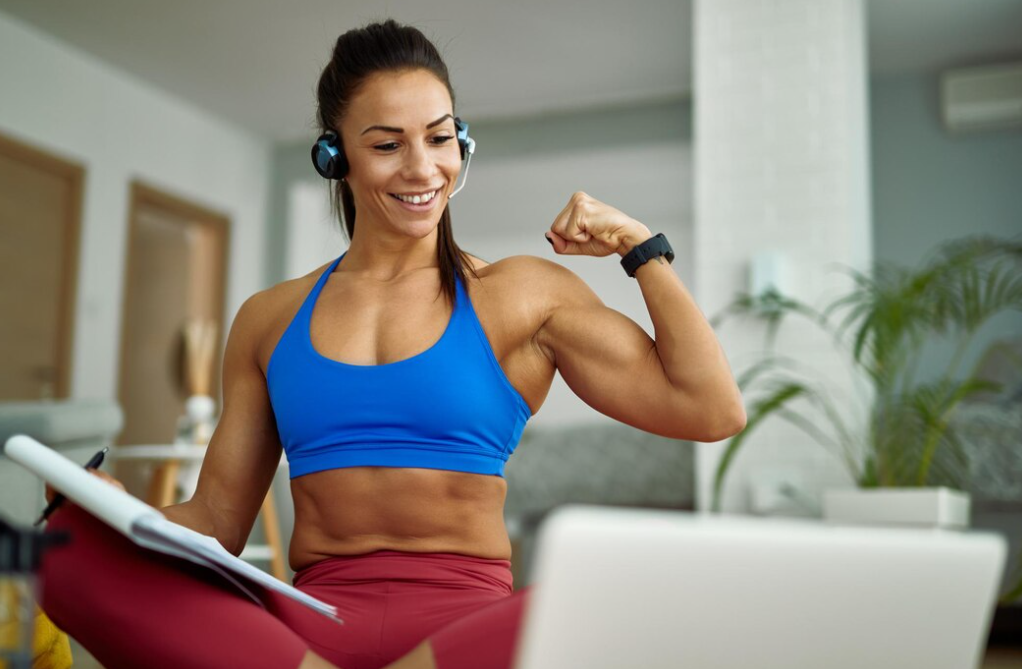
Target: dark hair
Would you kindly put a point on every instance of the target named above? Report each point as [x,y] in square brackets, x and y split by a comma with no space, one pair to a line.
[359,53]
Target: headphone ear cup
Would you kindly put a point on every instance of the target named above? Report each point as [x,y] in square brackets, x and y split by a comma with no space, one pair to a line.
[328,158]
[340,166]
[461,128]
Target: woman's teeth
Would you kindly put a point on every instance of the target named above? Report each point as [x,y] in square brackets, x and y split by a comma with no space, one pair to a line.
[416,199]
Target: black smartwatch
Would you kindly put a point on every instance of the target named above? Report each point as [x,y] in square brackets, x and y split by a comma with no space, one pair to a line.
[642,253]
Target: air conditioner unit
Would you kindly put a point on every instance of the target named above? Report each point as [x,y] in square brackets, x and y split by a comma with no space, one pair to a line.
[982,98]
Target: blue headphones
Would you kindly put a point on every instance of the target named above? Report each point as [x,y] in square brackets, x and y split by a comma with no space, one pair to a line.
[328,156]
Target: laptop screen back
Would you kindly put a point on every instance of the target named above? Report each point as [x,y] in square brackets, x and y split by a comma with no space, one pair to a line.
[661,589]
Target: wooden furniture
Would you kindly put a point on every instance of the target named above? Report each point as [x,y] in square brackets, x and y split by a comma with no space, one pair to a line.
[163,488]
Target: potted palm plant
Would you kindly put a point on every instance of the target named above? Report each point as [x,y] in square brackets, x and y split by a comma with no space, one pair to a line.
[908,448]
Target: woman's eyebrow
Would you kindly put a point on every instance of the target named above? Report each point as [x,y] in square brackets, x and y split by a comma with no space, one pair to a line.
[387,128]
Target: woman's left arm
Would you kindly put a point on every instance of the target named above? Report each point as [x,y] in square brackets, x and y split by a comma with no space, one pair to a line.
[679,385]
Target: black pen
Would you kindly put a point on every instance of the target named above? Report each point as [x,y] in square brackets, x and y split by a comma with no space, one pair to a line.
[94,462]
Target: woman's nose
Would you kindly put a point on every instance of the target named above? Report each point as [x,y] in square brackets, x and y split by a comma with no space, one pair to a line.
[419,164]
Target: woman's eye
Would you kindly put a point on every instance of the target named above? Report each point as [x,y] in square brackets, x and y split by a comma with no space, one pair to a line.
[390,146]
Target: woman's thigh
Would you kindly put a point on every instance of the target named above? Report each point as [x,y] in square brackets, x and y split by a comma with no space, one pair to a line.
[131,607]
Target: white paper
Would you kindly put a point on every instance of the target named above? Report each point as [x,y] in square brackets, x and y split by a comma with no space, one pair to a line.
[143,524]
[165,536]
[107,502]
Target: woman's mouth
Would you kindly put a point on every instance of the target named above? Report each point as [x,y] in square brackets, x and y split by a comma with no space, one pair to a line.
[417,201]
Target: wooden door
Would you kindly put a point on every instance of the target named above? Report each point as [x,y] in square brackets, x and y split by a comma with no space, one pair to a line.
[40,211]
[176,273]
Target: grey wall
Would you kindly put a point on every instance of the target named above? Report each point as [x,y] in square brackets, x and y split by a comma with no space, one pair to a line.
[291,163]
[655,123]
[929,186]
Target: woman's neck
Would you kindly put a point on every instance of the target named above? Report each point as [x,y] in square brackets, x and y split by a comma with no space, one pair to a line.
[385,258]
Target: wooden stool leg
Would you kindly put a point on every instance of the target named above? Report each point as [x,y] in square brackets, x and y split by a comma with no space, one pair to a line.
[271,526]
[163,485]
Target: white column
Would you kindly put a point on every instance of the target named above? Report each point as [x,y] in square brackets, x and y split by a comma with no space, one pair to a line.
[314,235]
[781,165]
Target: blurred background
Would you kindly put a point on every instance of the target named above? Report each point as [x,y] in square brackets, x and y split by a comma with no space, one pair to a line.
[155,172]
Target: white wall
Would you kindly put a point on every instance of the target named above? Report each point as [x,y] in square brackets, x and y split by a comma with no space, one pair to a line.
[120,129]
[314,237]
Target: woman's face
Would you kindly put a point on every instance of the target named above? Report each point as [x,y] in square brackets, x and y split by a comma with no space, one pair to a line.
[400,142]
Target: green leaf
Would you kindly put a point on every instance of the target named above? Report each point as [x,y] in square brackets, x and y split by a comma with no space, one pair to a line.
[883,322]
[760,411]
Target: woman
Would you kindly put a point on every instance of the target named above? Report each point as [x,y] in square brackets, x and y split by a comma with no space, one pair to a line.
[397,409]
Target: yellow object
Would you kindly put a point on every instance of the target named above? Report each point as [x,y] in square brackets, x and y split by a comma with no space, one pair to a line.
[50,646]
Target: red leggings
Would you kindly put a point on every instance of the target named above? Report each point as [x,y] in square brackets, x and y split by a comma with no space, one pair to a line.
[131,607]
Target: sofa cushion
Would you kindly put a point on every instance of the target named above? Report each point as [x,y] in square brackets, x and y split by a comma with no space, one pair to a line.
[610,464]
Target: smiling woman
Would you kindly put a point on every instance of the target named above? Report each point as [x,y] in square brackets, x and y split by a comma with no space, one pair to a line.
[397,410]
[365,58]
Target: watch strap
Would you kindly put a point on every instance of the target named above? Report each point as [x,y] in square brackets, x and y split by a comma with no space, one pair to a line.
[653,247]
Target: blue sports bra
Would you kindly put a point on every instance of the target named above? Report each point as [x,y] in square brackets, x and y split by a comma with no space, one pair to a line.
[450,407]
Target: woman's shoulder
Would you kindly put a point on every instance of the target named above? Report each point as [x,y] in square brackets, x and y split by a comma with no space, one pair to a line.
[517,266]
[528,286]
[535,288]
[264,316]
[530,273]
[267,302]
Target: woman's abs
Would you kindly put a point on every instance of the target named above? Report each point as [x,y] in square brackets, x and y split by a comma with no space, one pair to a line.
[359,510]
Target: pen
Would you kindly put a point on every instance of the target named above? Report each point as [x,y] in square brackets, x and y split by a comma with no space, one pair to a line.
[94,462]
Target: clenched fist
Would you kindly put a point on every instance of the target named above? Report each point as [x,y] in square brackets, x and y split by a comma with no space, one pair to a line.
[589,227]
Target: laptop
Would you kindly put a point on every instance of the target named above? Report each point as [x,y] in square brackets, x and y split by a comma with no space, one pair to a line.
[645,589]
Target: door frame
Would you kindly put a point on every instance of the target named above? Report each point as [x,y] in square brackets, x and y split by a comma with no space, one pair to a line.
[74,175]
[144,195]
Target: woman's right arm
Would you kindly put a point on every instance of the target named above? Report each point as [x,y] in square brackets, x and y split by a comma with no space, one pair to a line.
[244,451]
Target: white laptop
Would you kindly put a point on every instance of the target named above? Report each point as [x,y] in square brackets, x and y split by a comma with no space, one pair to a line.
[642,589]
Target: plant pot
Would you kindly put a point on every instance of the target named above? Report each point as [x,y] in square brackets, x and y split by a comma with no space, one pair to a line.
[919,507]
